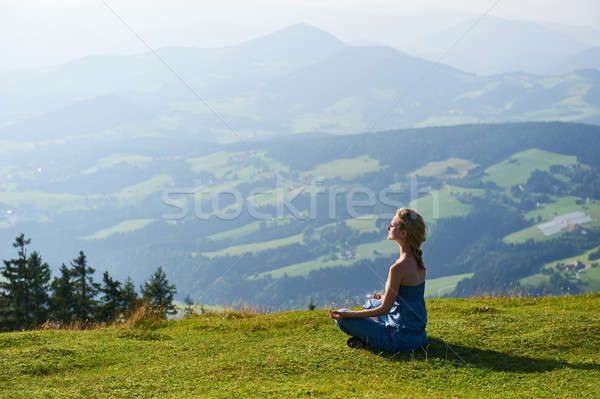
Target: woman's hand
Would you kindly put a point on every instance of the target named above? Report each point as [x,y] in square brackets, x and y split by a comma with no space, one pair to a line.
[377,295]
[334,314]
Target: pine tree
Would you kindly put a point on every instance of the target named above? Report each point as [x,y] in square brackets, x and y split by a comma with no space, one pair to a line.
[84,288]
[5,315]
[111,300]
[61,301]
[130,297]
[37,284]
[311,305]
[13,314]
[159,293]
[188,311]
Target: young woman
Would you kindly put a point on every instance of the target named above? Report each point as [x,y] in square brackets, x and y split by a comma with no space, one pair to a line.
[396,320]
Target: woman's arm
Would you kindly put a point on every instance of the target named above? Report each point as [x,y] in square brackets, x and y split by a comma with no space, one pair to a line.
[391,292]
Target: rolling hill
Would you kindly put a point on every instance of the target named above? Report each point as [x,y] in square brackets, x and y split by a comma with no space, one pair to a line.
[483,189]
[296,80]
[493,347]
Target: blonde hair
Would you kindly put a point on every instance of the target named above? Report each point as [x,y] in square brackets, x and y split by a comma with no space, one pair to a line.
[416,231]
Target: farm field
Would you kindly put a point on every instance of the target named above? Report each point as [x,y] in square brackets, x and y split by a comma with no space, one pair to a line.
[518,168]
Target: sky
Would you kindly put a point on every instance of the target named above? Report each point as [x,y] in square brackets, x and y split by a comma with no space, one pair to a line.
[48,32]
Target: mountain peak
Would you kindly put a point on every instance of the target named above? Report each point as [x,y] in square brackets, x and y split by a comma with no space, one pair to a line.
[297,37]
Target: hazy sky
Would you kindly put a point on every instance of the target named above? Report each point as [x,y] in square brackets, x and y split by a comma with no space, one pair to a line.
[45,32]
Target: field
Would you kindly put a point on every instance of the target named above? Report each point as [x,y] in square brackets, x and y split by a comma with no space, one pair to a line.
[590,276]
[346,169]
[547,212]
[126,226]
[518,168]
[368,250]
[439,168]
[255,247]
[248,229]
[364,223]
[481,347]
[528,233]
[442,203]
[115,159]
[443,285]
[137,192]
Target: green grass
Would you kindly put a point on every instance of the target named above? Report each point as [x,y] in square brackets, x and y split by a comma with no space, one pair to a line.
[343,117]
[438,168]
[133,194]
[218,163]
[529,233]
[304,268]
[483,347]
[115,159]
[590,277]
[437,287]
[518,168]
[346,169]
[369,250]
[547,212]
[442,203]
[364,223]
[235,165]
[126,226]
[561,205]
[255,247]
[60,202]
[46,201]
[248,229]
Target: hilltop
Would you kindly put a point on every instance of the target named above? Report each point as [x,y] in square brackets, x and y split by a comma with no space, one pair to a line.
[493,347]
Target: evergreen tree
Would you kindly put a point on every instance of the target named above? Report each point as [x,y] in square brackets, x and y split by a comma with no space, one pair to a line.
[13,314]
[61,301]
[159,293]
[129,297]
[84,288]
[111,299]
[188,311]
[5,315]
[37,284]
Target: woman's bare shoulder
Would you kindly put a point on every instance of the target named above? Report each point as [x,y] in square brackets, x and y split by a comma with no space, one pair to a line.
[409,270]
[405,263]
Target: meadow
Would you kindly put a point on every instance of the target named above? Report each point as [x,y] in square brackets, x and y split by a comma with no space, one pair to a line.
[481,347]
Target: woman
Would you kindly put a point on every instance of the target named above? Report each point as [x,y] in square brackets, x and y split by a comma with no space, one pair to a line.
[395,321]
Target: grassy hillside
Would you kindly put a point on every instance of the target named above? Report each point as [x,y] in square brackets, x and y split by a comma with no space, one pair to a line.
[492,347]
[464,179]
[590,276]
[519,166]
[547,212]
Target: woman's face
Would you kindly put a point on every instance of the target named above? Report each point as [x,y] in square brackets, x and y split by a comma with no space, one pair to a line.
[394,232]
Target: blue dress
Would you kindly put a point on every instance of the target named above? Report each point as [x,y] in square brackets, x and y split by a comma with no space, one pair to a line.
[408,314]
[402,329]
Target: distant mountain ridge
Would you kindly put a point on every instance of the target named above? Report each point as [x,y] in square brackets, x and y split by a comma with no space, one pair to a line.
[296,80]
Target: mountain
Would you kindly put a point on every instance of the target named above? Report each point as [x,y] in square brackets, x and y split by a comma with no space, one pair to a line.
[586,59]
[297,80]
[495,45]
[210,71]
[583,34]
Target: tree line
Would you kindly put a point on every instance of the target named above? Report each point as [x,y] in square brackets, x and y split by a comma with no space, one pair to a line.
[30,296]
